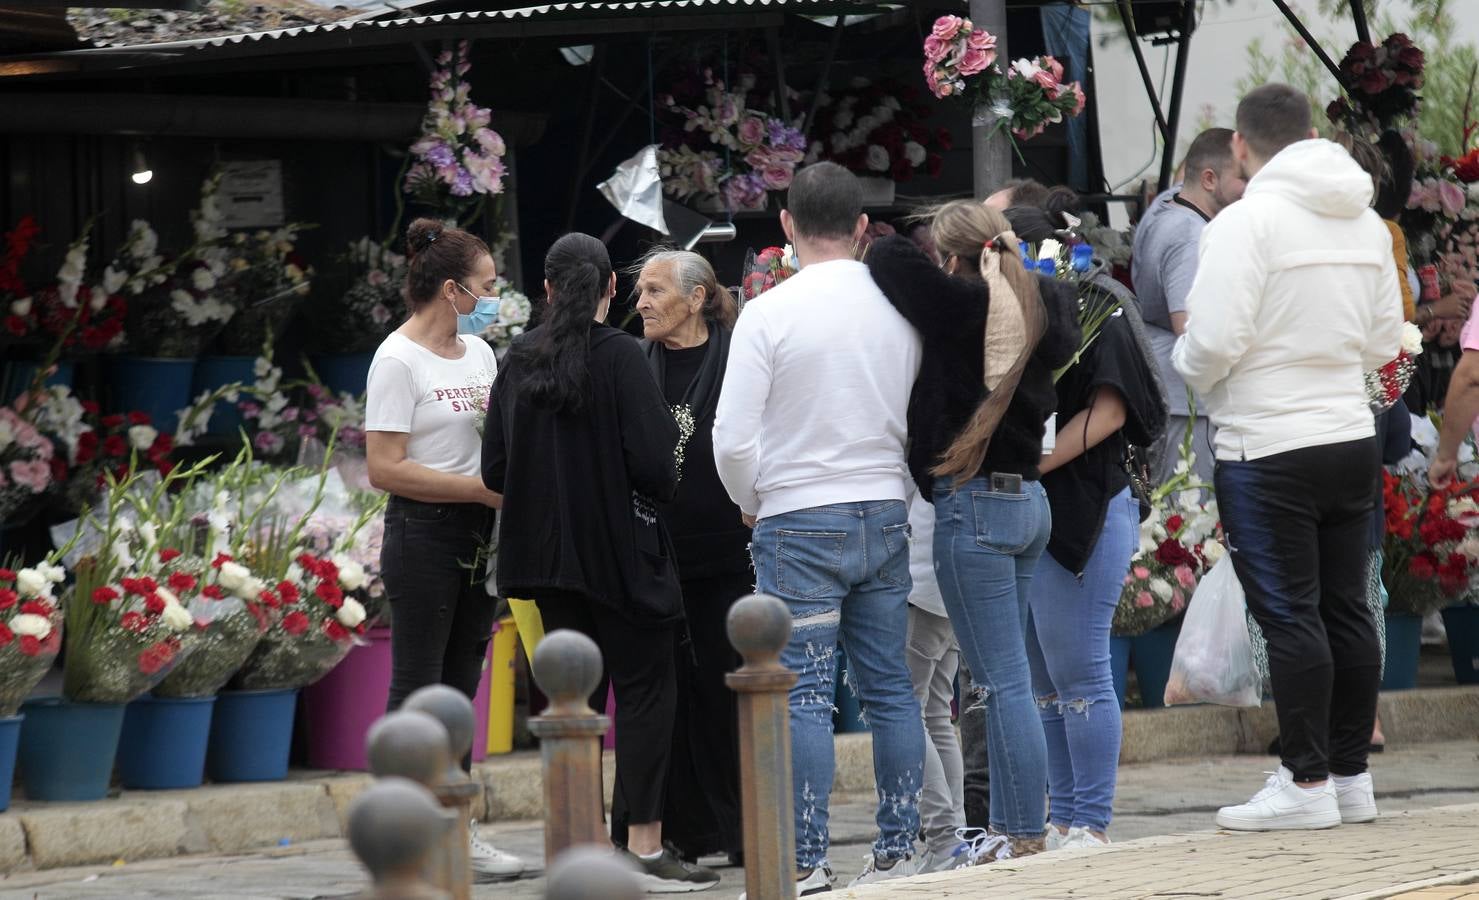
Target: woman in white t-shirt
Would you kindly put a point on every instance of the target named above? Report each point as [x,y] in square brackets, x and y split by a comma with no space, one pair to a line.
[427,396]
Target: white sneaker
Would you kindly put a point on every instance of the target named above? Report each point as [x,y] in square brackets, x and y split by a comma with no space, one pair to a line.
[818,881]
[930,861]
[1082,839]
[873,872]
[1283,805]
[488,862]
[983,846]
[1055,839]
[1356,797]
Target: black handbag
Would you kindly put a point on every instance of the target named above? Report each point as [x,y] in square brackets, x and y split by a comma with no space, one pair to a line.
[1137,467]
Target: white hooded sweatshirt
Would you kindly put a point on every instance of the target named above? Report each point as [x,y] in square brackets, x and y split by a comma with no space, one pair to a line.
[1296,296]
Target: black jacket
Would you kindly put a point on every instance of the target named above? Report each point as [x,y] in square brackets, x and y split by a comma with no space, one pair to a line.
[580,489]
[950,314]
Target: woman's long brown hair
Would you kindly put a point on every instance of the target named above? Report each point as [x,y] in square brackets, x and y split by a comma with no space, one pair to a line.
[972,233]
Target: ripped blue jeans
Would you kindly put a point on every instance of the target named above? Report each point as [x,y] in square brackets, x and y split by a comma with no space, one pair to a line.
[844,572]
[1068,649]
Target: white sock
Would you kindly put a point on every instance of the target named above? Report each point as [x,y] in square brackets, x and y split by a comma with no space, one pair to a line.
[1343,780]
[650,857]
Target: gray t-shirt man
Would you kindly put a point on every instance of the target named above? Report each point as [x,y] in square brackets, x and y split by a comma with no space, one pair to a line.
[1163,267]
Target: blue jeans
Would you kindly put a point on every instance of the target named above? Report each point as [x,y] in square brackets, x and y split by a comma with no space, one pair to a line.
[844,570]
[1068,647]
[986,547]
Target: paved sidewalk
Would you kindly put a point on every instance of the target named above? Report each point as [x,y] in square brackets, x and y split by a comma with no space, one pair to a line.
[1174,800]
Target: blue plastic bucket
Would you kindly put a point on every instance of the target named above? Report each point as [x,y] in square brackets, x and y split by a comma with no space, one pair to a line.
[67,748]
[157,386]
[1462,623]
[1151,655]
[251,735]
[212,372]
[343,372]
[1119,665]
[10,741]
[163,743]
[1404,645]
[16,376]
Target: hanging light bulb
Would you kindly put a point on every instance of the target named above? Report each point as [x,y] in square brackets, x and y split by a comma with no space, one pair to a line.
[142,174]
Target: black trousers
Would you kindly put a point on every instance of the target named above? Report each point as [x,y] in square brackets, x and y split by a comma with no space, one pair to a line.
[441,616]
[639,666]
[1297,525]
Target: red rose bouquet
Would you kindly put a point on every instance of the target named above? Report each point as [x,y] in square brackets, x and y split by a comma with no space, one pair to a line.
[316,631]
[30,629]
[1429,557]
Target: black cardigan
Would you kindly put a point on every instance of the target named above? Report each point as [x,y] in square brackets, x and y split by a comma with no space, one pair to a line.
[950,314]
[578,488]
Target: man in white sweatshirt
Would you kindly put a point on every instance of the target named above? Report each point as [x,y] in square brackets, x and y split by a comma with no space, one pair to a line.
[809,439]
[1296,295]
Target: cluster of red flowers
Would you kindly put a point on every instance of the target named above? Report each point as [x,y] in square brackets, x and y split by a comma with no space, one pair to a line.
[1432,531]
[158,655]
[769,268]
[106,447]
[28,645]
[17,243]
[1381,81]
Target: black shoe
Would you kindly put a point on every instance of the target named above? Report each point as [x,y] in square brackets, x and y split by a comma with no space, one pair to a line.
[667,874]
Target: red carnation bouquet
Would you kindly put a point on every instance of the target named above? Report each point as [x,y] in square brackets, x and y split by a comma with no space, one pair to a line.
[231,609]
[766,269]
[30,628]
[1428,554]
[316,630]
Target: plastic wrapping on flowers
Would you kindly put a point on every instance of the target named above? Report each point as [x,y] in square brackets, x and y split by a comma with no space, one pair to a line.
[227,629]
[317,630]
[30,631]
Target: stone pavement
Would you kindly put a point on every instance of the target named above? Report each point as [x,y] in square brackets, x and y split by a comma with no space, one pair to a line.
[1429,796]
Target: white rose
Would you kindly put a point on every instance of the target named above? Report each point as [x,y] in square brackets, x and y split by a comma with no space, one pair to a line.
[30,625]
[915,152]
[21,307]
[233,576]
[1160,588]
[1213,551]
[202,279]
[877,158]
[31,583]
[352,575]
[1412,338]
[142,437]
[351,613]
[177,617]
[843,120]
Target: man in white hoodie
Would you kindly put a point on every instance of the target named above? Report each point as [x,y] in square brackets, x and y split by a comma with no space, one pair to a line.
[1295,297]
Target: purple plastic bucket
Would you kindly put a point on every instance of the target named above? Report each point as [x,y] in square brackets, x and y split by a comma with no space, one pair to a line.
[341,706]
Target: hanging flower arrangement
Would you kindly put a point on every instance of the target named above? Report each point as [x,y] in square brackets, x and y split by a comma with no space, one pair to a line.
[877,130]
[960,60]
[457,164]
[1381,84]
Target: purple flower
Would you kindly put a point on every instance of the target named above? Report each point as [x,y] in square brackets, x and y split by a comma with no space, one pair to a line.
[440,155]
[267,442]
[782,135]
[462,187]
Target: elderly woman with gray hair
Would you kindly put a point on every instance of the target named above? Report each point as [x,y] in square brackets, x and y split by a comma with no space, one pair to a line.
[686,321]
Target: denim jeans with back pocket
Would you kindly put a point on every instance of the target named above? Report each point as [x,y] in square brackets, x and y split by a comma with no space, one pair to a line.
[844,572]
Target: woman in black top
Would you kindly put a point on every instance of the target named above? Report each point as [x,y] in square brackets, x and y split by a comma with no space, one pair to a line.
[992,336]
[686,320]
[580,443]
[1109,399]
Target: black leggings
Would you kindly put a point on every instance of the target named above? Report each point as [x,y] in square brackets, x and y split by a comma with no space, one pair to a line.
[1297,525]
[441,616]
[638,662]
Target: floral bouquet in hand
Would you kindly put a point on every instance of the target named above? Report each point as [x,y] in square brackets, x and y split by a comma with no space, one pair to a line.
[766,269]
[316,631]
[30,629]
[1385,386]
[1429,552]
[457,164]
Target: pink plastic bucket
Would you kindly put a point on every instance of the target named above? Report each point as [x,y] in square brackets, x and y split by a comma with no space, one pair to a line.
[341,706]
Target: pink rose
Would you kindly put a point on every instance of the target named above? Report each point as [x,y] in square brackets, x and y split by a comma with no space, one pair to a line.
[1144,600]
[975,61]
[1451,196]
[777,178]
[1185,576]
[1054,66]
[1178,600]
[35,475]
[1141,572]
[1079,100]
[947,27]
[1045,79]
[936,49]
[981,39]
[751,131]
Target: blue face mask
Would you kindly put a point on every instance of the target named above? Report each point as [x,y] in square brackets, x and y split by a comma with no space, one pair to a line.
[484,314]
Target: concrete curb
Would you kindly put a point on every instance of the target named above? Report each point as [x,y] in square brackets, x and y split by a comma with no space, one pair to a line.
[234,818]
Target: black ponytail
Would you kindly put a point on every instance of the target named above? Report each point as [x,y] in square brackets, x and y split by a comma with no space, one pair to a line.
[553,359]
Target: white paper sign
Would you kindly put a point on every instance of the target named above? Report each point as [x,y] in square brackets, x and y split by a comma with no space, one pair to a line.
[251,194]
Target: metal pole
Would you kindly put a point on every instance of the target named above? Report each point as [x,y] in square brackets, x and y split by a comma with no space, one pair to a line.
[1178,86]
[1309,39]
[1358,14]
[773,47]
[759,627]
[991,146]
[567,667]
[1127,16]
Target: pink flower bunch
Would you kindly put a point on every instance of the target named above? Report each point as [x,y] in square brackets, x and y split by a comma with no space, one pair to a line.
[26,461]
[1437,195]
[1038,96]
[954,51]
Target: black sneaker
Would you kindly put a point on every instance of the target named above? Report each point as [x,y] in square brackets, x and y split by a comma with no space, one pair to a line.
[667,874]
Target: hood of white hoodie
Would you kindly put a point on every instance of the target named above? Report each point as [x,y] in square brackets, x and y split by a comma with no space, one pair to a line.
[1318,175]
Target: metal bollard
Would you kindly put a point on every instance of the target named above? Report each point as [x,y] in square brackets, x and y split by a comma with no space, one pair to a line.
[759,627]
[394,827]
[567,667]
[586,873]
[414,745]
[457,792]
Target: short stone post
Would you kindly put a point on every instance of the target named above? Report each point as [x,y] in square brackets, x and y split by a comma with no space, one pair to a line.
[395,827]
[456,792]
[759,627]
[414,745]
[587,873]
[567,667]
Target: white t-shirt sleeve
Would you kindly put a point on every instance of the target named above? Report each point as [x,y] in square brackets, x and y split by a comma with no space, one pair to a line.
[390,396]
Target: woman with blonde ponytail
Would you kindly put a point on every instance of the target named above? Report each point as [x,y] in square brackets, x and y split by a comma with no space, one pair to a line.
[993,334]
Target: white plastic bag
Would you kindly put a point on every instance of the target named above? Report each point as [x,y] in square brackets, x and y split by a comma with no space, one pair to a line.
[1214,655]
